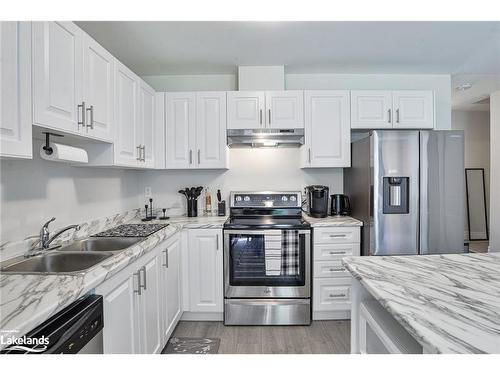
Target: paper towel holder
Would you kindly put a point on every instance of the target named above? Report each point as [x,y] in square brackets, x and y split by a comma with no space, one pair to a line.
[47,148]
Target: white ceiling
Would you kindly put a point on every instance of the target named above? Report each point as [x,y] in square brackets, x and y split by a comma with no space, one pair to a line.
[154,48]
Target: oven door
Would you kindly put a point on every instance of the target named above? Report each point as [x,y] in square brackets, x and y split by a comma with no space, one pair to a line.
[252,272]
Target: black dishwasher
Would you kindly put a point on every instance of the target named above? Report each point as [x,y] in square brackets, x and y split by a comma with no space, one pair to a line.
[75,329]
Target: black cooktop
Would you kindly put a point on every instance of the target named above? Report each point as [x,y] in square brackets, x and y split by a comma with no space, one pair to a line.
[266,222]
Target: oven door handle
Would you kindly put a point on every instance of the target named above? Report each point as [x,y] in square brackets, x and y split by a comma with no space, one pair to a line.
[268,232]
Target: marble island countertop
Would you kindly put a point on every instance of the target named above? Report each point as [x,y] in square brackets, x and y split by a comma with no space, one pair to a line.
[28,300]
[448,303]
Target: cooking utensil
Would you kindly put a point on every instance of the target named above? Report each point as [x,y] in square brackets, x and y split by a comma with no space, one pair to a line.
[219,197]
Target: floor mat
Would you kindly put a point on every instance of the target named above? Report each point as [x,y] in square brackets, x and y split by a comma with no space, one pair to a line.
[191,345]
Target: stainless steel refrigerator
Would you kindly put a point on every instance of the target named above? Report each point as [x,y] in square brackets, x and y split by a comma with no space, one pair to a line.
[408,188]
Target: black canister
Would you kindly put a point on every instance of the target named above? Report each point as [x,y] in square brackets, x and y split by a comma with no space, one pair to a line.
[192,207]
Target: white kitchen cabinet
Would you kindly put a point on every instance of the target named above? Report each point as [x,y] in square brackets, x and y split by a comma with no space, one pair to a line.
[146,124]
[205,270]
[245,109]
[211,144]
[126,145]
[413,109]
[327,129]
[98,90]
[371,109]
[285,109]
[57,75]
[269,109]
[15,90]
[172,304]
[179,127]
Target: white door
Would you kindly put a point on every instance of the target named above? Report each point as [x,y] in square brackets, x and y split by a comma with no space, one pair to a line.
[146,125]
[15,90]
[245,109]
[126,117]
[180,126]
[285,109]
[211,149]
[150,307]
[327,129]
[205,270]
[413,109]
[57,75]
[98,86]
[173,286]
[120,315]
[371,109]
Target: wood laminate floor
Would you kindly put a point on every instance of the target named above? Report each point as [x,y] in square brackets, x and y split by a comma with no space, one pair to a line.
[321,337]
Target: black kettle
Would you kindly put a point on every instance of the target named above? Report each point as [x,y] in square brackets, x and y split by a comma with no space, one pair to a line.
[340,205]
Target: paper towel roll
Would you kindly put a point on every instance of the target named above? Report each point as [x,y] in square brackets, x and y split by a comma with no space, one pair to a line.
[65,154]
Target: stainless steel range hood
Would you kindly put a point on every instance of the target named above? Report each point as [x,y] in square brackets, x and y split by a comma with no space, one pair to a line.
[243,138]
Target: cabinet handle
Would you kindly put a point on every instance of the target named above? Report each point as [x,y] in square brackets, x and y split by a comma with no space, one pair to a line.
[143,152]
[337,235]
[82,122]
[199,158]
[309,156]
[389,112]
[338,295]
[166,258]
[260,116]
[337,269]
[269,112]
[138,274]
[143,269]
[397,115]
[91,112]
[336,252]
[190,156]
[138,153]
[217,242]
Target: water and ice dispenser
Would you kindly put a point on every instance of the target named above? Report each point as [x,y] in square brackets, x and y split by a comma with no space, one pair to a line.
[396,195]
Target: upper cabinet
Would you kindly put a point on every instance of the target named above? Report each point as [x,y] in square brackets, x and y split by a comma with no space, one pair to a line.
[327,129]
[15,90]
[195,130]
[270,109]
[146,124]
[72,81]
[405,109]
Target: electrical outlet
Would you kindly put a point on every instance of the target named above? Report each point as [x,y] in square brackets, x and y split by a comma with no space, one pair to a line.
[147,192]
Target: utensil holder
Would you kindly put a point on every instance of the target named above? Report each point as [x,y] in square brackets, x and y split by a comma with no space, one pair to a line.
[192,207]
[221,208]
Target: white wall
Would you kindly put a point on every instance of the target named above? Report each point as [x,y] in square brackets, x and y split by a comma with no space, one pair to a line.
[33,191]
[250,169]
[476,127]
[495,171]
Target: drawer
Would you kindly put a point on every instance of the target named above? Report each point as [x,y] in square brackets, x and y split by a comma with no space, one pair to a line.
[336,235]
[331,268]
[334,251]
[331,294]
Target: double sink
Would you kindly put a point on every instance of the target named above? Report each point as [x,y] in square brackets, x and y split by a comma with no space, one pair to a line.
[73,258]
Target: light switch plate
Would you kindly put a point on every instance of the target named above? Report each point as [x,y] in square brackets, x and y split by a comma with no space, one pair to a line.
[147,192]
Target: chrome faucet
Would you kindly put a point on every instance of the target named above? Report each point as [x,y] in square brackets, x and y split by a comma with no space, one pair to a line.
[45,238]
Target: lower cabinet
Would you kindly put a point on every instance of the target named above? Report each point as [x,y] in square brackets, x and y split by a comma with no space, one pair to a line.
[205,270]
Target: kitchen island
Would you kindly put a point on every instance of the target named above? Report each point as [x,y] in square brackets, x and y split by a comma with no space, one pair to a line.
[425,303]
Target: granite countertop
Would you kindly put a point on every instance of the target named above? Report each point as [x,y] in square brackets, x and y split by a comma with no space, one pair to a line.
[333,221]
[28,300]
[448,303]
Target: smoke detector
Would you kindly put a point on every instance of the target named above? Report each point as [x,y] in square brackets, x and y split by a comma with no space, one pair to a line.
[463,87]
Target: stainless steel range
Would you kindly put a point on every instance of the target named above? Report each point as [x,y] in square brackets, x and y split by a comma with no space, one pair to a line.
[267,260]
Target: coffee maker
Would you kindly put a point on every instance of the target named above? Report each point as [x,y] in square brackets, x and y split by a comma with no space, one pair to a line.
[317,200]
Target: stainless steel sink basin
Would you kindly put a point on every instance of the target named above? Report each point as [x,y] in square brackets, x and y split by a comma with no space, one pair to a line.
[56,263]
[102,244]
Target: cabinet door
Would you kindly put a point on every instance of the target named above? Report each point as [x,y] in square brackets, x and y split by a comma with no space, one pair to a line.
[285,109]
[180,125]
[150,305]
[413,109]
[327,129]
[205,270]
[371,109]
[126,145]
[245,109]
[173,285]
[15,90]
[57,75]
[120,315]
[98,86]
[146,125]
[211,149]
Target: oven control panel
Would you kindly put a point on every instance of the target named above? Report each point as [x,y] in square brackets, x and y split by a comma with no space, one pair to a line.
[288,199]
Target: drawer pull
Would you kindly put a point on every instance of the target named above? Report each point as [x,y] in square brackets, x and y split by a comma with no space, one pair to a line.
[337,235]
[338,295]
[337,269]
[337,252]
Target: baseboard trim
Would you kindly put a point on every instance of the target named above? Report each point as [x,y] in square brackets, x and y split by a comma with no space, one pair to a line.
[332,315]
[203,316]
